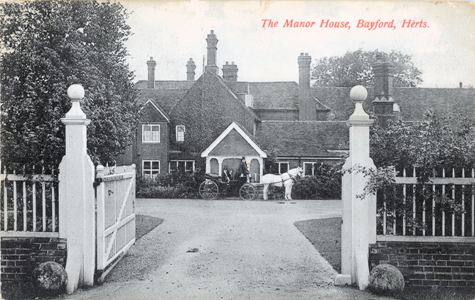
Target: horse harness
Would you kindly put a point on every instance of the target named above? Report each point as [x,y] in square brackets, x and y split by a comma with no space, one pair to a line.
[284,180]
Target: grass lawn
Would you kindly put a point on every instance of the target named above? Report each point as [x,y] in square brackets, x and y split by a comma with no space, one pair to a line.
[325,236]
[144,224]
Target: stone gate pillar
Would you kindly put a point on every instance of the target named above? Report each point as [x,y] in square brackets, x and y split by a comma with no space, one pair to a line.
[76,197]
[359,215]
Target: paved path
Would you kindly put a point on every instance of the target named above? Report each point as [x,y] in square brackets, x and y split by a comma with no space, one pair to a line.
[246,250]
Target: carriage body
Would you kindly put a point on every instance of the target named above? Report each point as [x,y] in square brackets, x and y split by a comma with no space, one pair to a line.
[213,187]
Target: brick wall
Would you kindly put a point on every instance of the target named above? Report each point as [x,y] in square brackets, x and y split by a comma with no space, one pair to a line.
[19,256]
[440,264]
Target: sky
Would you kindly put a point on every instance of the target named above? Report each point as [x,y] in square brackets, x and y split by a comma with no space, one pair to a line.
[174,31]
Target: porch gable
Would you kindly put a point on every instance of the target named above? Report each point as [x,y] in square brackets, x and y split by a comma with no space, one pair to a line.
[233,141]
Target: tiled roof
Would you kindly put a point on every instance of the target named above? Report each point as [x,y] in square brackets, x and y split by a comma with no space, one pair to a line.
[271,95]
[413,102]
[166,92]
[164,98]
[274,94]
[302,138]
[166,84]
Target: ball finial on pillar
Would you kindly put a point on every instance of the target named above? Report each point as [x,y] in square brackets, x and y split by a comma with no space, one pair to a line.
[358,93]
[75,92]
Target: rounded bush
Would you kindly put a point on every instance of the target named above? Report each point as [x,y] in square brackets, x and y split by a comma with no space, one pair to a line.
[50,277]
[386,279]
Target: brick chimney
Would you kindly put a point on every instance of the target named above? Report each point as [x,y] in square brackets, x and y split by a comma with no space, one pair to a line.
[212,42]
[230,72]
[151,73]
[383,102]
[307,108]
[190,70]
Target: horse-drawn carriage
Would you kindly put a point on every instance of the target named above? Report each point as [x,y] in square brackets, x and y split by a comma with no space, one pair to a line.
[214,186]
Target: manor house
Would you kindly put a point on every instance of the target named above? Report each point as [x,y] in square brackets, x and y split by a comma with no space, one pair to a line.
[214,120]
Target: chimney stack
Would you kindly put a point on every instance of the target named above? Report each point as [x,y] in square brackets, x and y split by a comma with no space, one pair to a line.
[151,73]
[212,42]
[383,90]
[307,108]
[190,70]
[230,72]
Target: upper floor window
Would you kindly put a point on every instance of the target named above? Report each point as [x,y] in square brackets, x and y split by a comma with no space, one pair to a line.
[150,133]
[180,133]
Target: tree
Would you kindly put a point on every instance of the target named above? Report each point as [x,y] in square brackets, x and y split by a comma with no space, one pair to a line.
[356,68]
[48,45]
[437,141]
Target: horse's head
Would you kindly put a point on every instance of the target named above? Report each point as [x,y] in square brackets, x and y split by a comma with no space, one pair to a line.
[300,171]
[296,172]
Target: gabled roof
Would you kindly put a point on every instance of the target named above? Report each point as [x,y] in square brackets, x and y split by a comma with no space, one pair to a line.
[303,138]
[158,108]
[247,138]
[223,83]
[165,98]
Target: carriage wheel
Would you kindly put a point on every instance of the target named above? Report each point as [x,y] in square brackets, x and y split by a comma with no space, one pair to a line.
[208,190]
[247,192]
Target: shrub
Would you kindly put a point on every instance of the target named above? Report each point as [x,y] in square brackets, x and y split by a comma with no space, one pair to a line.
[326,184]
[174,185]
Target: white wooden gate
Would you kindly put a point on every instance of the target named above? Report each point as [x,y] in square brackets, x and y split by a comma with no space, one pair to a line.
[115,215]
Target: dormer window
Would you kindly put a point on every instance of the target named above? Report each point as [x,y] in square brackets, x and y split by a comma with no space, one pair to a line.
[180,133]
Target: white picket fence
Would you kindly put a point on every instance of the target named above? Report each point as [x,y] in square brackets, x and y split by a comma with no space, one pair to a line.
[426,216]
[29,204]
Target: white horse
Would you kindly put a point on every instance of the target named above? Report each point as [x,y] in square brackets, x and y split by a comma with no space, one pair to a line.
[283,180]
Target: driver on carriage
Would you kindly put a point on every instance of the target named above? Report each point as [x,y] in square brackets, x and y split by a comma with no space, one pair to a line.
[244,171]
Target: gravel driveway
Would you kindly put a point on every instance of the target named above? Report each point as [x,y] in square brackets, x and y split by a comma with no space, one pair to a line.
[225,250]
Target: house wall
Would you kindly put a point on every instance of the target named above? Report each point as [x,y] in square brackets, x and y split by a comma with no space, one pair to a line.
[152,151]
[127,158]
[428,263]
[206,110]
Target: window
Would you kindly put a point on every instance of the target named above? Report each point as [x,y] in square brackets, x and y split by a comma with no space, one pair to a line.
[150,133]
[180,133]
[308,169]
[150,168]
[181,166]
[283,167]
